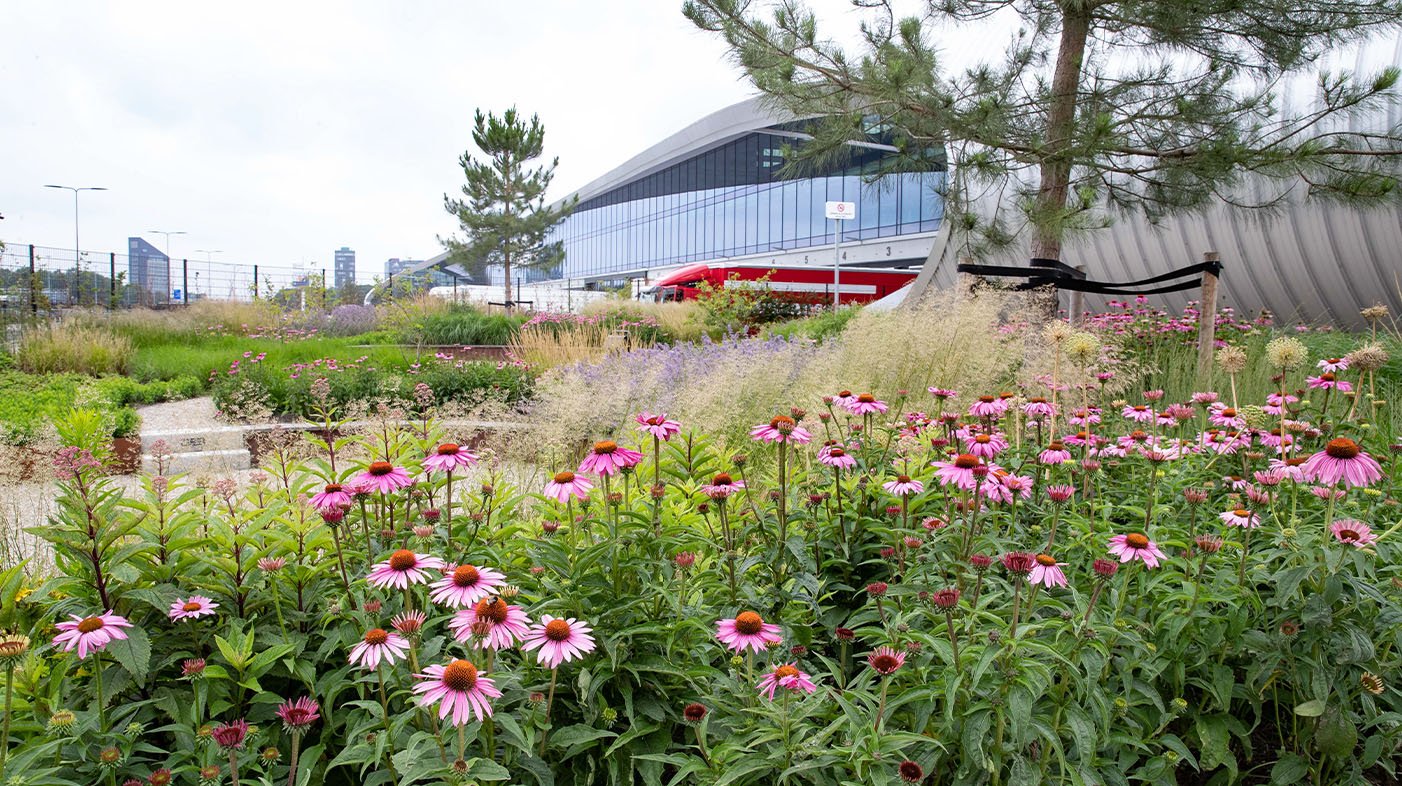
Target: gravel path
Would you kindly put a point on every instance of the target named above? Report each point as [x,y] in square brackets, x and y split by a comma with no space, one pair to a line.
[192,413]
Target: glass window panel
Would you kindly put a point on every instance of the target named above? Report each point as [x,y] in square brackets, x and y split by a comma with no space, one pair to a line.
[889,194]
[802,211]
[764,219]
[788,218]
[748,231]
[910,198]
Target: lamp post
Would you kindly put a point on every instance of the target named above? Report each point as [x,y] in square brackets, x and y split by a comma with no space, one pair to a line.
[77,249]
[167,236]
[208,264]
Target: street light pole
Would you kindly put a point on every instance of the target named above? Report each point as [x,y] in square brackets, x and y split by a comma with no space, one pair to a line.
[208,265]
[167,236]
[77,247]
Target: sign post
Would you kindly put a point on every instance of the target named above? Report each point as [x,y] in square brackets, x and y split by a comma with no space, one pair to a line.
[838,212]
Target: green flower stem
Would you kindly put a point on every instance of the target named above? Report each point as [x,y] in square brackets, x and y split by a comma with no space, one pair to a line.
[101,710]
[549,703]
[5,732]
[292,764]
[389,729]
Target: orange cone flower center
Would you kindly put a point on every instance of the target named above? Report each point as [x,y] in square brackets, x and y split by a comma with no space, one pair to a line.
[749,623]
[381,468]
[447,449]
[557,630]
[786,671]
[460,675]
[781,422]
[1241,513]
[605,447]
[191,606]
[1349,535]
[466,576]
[564,477]
[403,559]
[983,439]
[90,624]
[1342,448]
[902,478]
[1137,540]
[966,461]
[332,488]
[1046,560]
[836,452]
[722,479]
[376,636]
[1056,446]
[493,611]
[866,398]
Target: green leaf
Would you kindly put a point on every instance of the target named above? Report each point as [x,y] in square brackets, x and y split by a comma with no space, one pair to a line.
[1335,734]
[1289,770]
[487,770]
[578,734]
[133,652]
[1310,709]
[1213,734]
[1082,731]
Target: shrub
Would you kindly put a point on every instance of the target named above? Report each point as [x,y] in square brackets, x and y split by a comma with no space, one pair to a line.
[350,320]
[74,347]
[820,326]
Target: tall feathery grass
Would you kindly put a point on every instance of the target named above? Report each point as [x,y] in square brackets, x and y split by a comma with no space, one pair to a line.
[74,347]
[550,345]
[678,321]
[729,386]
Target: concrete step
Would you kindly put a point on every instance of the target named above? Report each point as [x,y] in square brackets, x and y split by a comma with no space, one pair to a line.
[196,439]
[201,461]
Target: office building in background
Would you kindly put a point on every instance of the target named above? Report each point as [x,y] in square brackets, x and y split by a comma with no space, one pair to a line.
[345,267]
[148,270]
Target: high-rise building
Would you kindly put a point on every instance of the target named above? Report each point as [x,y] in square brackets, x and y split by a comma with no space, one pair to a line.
[148,269]
[345,267]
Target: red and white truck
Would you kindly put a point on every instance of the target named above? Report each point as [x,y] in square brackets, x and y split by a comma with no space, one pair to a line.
[798,283]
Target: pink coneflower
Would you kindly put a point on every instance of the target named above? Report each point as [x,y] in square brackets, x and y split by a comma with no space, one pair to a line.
[1333,365]
[722,486]
[988,407]
[1269,478]
[1329,381]
[1225,417]
[1240,517]
[886,661]
[607,458]
[747,629]
[866,404]
[409,622]
[658,426]
[1225,442]
[193,607]
[466,585]
[941,393]
[1205,397]
[836,456]
[1060,493]
[1085,417]
[903,486]
[559,640]
[90,634]
[231,736]
[491,620]
[384,477]
[788,677]
[1055,453]
[1273,403]
[959,472]
[781,429]
[332,498]
[841,399]
[458,690]
[1038,408]
[449,457]
[403,568]
[1354,533]
[1136,545]
[1236,482]
[1139,413]
[1020,485]
[1018,563]
[1328,492]
[378,645]
[566,484]
[297,715]
[1342,460]
[271,564]
[985,446]
[1047,572]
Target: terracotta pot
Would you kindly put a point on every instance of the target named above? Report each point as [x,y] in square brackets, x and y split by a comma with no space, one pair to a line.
[126,455]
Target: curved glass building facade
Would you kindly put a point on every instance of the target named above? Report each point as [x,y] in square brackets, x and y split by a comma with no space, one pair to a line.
[714,192]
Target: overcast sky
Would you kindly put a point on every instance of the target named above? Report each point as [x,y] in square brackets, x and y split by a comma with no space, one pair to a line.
[278,132]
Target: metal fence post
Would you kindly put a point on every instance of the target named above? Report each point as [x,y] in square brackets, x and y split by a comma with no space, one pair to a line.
[185,281]
[255,282]
[33,284]
[111,280]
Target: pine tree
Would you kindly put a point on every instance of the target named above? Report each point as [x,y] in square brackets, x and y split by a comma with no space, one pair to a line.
[503,214]
[1095,107]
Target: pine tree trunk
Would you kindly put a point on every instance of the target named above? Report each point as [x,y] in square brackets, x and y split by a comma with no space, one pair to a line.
[1061,119]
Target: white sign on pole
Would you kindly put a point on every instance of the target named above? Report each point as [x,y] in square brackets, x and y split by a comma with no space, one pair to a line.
[840,211]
